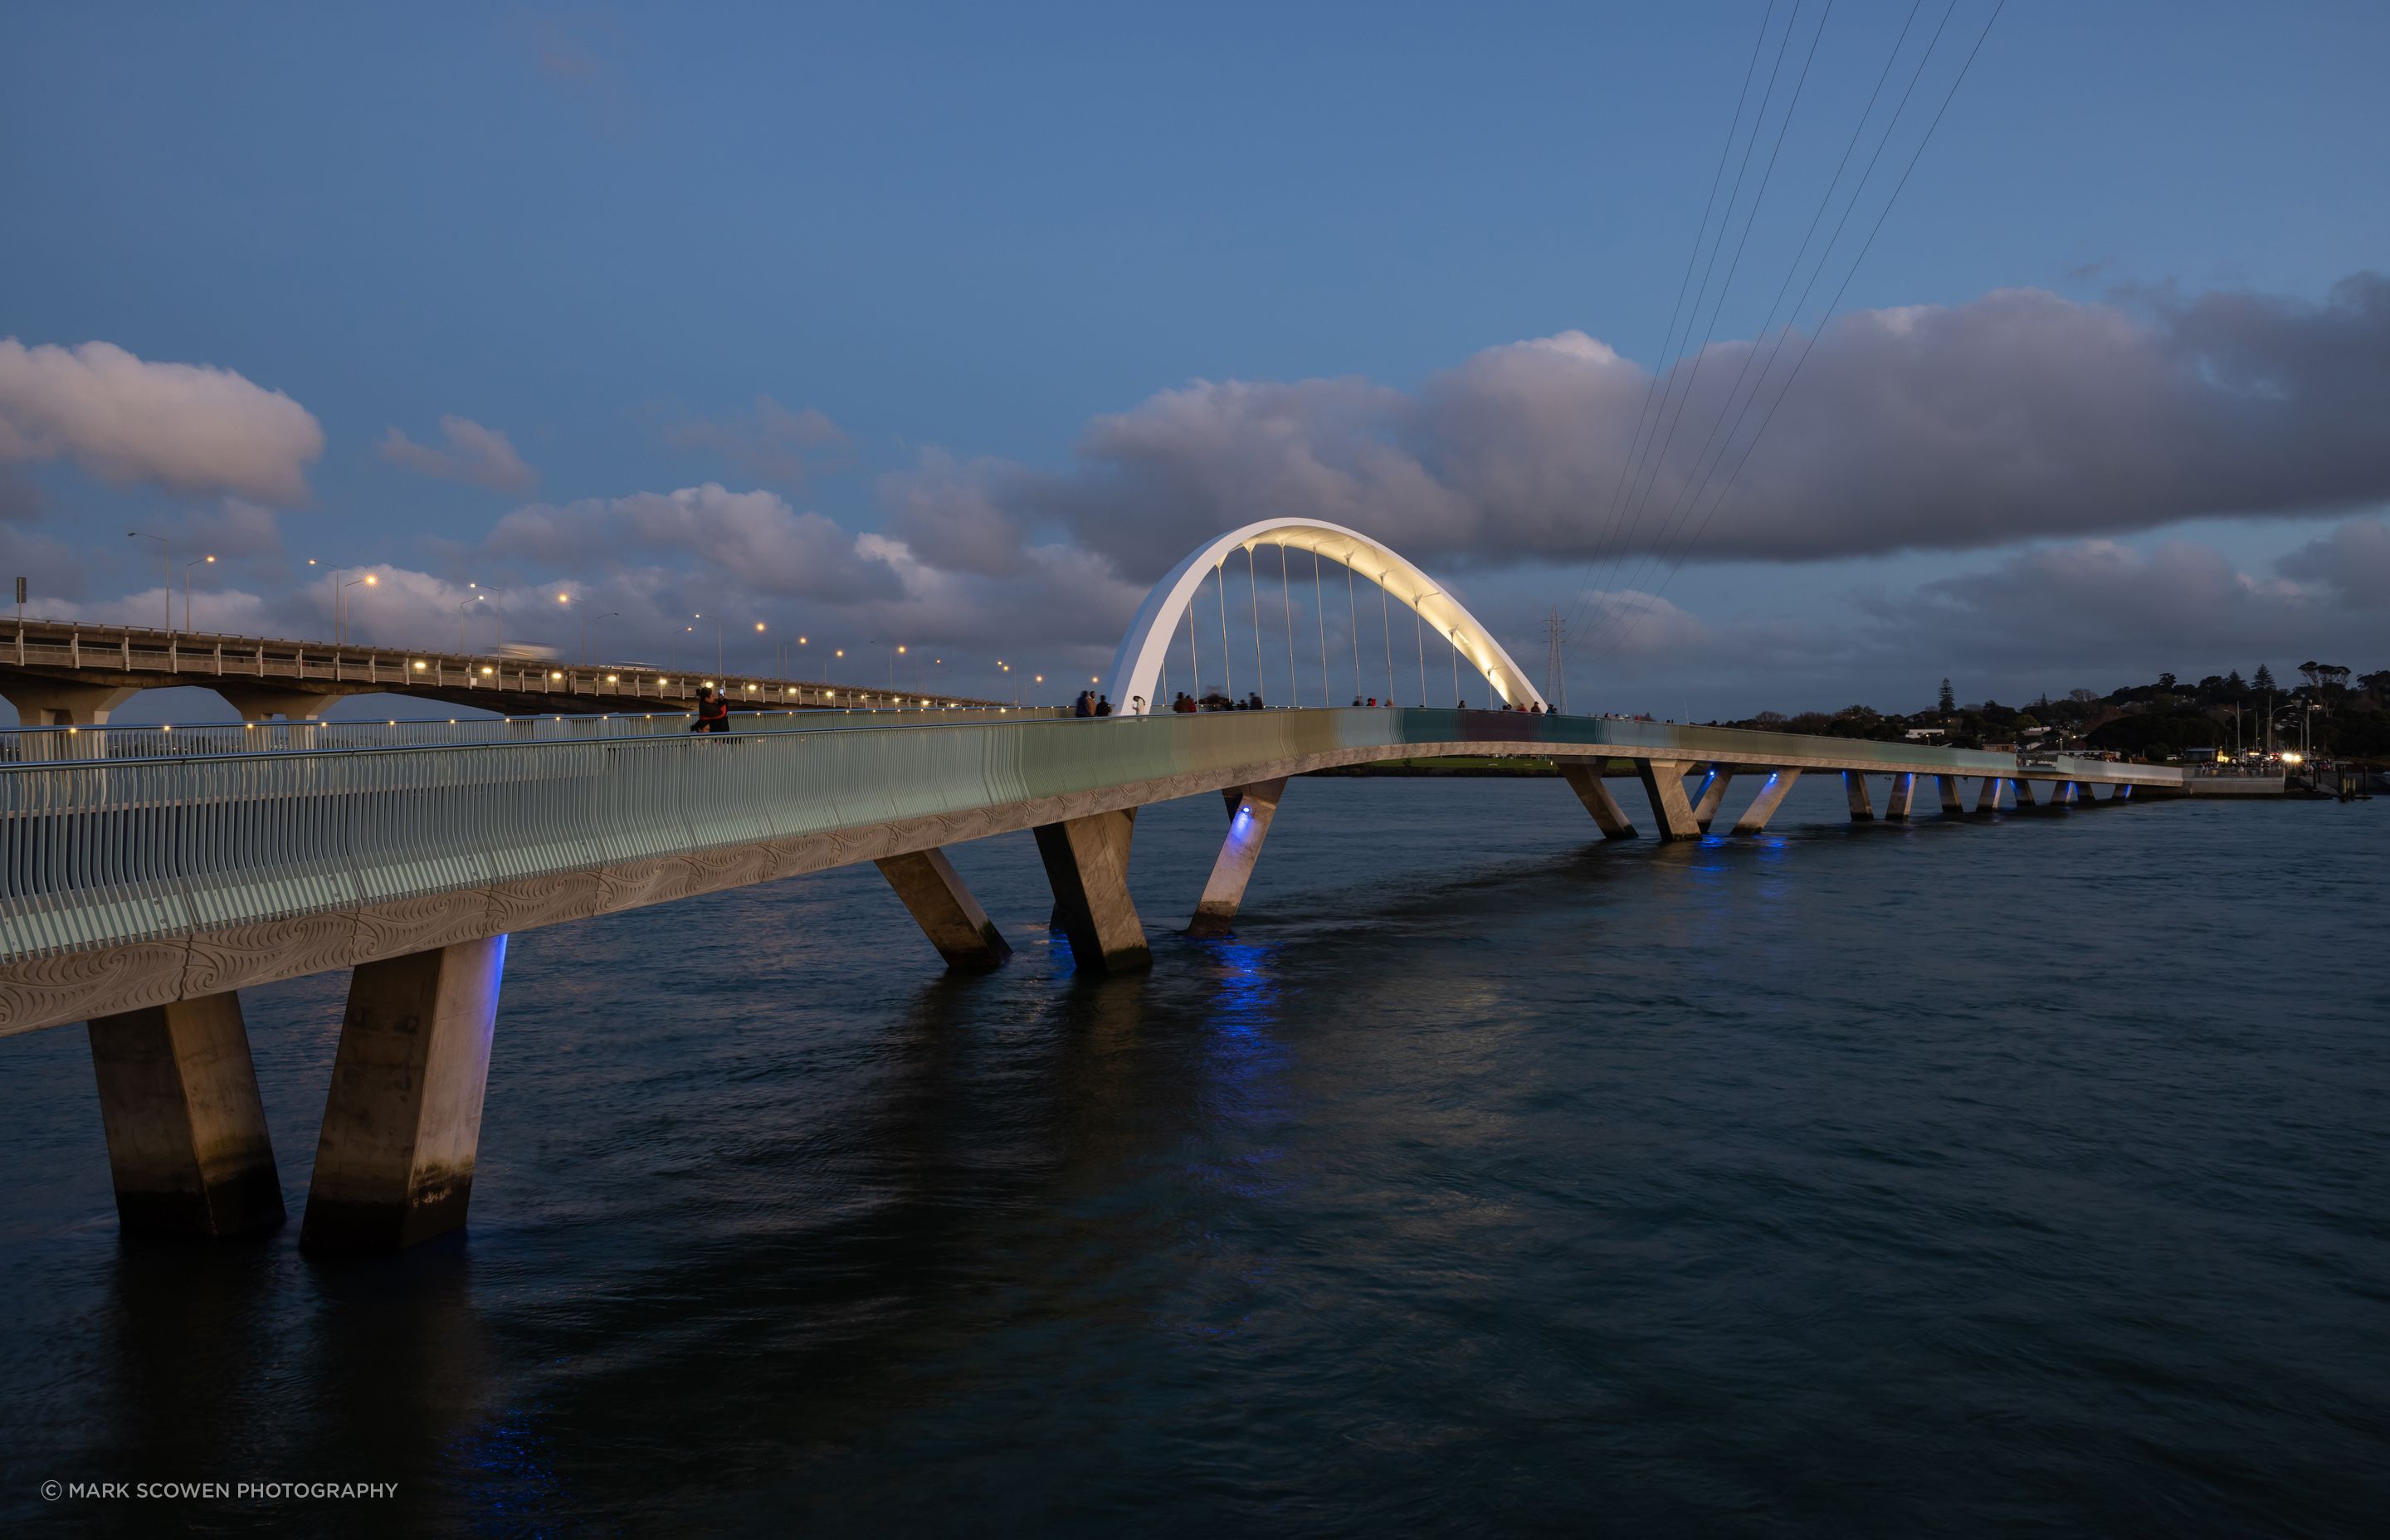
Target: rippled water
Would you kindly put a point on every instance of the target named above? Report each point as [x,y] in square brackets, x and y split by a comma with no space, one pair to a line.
[1952,1177]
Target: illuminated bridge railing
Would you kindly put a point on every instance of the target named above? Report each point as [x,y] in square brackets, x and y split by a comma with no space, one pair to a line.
[101,853]
[48,745]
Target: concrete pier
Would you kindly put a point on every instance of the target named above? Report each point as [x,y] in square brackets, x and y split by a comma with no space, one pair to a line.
[2023,791]
[1953,805]
[1251,808]
[1663,783]
[943,905]
[186,1137]
[1586,782]
[1896,802]
[403,1123]
[1763,808]
[1714,787]
[259,703]
[1854,787]
[1987,794]
[56,703]
[1087,863]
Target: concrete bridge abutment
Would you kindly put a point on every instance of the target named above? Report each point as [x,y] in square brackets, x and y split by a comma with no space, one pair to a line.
[938,901]
[187,1139]
[1086,865]
[1584,779]
[1250,810]
[403,1121]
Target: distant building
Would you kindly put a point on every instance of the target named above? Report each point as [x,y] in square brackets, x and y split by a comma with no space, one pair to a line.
[1925,735]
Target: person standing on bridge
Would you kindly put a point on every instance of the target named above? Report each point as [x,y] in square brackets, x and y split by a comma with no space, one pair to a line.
[712,713]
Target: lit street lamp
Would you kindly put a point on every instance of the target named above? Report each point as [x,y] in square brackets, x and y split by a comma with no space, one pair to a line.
[204,561]
[339,624]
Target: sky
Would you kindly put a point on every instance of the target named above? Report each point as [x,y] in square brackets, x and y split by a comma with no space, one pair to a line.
[1790,355]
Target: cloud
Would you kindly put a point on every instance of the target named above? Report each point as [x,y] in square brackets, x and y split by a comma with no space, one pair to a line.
[771,443]
[956,516]
[2353,561]
[2014,416]
[185,427]
[236,529]
[20,497]
[753,541]
[482,455]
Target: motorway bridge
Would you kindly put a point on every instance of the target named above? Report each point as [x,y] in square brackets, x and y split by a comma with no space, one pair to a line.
[146,876]
[67,674]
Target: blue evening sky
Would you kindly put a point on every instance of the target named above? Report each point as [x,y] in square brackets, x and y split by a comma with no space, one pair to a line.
[978,226]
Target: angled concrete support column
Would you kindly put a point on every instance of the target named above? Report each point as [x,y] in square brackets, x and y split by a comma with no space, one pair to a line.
[941,904]
[1896,802]
[2023,789]
[1854,787]
[1952,804]
[403,1123]
[1987,795]
[186,1130]
[1763,808]
[1664,782]
[261,702]
[1087,863]
[1714,784]
[2123,792]
[1251,808]
[1584,779]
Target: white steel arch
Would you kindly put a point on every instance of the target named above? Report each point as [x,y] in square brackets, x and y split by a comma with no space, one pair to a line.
[1136,667]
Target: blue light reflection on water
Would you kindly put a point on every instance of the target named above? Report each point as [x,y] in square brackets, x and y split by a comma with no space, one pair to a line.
[1490,1178]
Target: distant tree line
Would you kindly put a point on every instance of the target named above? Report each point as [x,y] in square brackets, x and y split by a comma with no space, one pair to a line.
[2346,715]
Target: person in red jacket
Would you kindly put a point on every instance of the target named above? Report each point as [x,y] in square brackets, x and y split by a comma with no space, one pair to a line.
[712,713]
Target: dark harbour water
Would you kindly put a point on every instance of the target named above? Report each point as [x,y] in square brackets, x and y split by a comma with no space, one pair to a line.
[1955,1178]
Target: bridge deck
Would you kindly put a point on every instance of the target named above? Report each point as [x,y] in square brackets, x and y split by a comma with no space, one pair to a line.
[129,882]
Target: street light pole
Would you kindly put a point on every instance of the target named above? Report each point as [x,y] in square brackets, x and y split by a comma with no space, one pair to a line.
[186,588]
[340,629]
[608,615]
[166,558]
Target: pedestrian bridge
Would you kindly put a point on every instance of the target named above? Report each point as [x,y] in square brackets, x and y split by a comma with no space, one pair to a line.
[146,876]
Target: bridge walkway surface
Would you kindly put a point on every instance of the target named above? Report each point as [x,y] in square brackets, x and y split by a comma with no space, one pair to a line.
[141,893]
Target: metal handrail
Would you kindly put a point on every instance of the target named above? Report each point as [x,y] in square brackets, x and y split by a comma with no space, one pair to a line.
[49,745]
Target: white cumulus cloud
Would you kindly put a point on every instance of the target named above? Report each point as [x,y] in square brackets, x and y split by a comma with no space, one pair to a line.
[187,427]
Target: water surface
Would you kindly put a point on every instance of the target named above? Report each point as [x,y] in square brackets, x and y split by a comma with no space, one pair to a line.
[1941,1178]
